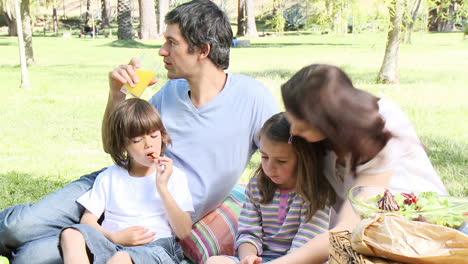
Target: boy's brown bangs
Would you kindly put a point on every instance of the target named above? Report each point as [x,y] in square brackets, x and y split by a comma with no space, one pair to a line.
[143,122]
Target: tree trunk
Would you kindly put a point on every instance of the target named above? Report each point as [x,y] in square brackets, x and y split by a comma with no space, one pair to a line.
[410,25]
[441,18]
[449,24]
[54,19]
[389,70]
[240,18]
[251,26]
[148,28]
[63,9]
[88,12]
[27,36]
[9,16]
[105,14]
[25,84]
[124,20]
[163,8]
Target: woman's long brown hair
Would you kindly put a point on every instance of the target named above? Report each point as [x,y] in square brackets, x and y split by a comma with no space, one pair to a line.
[325,97]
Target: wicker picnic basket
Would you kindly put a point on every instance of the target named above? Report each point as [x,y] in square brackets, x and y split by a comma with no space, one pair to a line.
[341,252]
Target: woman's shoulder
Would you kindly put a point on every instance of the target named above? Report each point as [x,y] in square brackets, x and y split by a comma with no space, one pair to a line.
[396,121]
[389,110]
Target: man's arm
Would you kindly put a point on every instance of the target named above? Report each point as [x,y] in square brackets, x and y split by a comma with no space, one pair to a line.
[124,73]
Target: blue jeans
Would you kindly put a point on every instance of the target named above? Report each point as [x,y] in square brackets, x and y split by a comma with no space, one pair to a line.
[162,251]
[29,233]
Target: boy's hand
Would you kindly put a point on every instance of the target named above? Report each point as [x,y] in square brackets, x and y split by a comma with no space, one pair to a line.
[252,259]
[132,236]
[164,171]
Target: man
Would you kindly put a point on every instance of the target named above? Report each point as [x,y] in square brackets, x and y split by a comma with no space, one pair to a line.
[212,117]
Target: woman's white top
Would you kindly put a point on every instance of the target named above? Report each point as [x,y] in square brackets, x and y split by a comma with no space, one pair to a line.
[403,153]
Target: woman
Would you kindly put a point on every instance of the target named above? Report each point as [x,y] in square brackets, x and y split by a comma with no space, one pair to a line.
[371,142]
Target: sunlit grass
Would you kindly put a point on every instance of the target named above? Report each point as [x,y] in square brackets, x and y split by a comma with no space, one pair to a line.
[51,135]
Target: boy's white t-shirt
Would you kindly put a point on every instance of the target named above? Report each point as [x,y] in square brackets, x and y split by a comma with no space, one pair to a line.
[403,153]
[134,201]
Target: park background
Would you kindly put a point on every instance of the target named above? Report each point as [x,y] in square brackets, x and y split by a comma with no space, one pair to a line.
[50,134]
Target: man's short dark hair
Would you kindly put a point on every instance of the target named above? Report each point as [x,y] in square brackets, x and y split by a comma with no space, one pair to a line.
[202,22]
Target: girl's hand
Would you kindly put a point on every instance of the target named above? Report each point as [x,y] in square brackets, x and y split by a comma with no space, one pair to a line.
[251,259]
[125,73]
[132,236]
[164,171]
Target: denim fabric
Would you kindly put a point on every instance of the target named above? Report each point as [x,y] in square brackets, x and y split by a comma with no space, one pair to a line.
[38,251]
[161,251]
[27,230]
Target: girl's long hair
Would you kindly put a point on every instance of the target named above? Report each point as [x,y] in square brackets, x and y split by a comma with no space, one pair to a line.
[311,183]
[325,97]
[132,118]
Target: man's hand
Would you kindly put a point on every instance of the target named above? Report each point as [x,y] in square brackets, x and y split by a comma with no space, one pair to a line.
[251,259]
[125,73]
[132,236]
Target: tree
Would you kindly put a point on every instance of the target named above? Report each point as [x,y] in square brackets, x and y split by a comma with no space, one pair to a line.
[163,8]
[10,17]
[105,14]
[88,12]
[240,18]
[124,20]
[25,84]
[251,26]
[443,14]
[389,70]
[148,28]
[409,24]
[27,32]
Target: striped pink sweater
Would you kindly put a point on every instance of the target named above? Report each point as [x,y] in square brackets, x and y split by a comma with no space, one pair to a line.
[278,227]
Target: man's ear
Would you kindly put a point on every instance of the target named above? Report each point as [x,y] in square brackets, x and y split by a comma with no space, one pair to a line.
[205,50]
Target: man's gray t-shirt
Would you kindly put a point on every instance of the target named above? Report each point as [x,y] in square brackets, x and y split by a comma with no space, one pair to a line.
[214,143]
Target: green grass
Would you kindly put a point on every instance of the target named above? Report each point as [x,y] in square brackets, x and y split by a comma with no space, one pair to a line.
[50,135]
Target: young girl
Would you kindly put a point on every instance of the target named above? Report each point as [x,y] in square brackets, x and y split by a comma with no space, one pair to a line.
[370,142]
[145,200]
[286,201]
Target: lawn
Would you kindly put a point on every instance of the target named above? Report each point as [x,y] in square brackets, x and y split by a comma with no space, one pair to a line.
[50,135]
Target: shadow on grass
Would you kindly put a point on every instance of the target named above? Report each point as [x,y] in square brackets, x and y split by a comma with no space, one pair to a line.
[450,158]
[131,44]
[21,188]
[6,43]
[269,73]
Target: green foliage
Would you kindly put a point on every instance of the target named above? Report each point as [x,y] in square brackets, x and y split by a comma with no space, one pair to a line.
[277,22]
[443,6]
[295,18]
